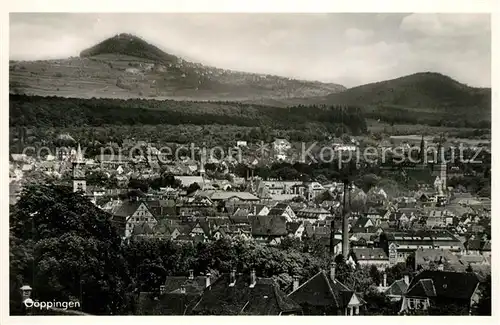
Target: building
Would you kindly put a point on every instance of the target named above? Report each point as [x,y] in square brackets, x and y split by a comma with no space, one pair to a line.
[244,294]
[323,294]
[370,256]
[401,245]
[440,288]
[79,182]
[175,296]
[135,213]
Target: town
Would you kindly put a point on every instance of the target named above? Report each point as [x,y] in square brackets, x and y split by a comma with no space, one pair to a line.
[237,164]
[427,238]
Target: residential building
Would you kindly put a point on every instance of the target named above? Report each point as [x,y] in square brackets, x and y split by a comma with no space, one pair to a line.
[244,294]
[324,294]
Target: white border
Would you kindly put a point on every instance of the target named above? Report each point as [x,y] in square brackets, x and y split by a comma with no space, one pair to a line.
[451,6]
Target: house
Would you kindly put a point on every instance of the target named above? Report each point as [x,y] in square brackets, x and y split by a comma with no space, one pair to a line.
[405,244]
[424,258]
[369,257]
[364,224]
[231,196]
[269,229]
[195,205]
[260,210]
[295,229]
[174,296]
[244,294]
[441,288]
[280,146]
[314,189]
[313,214]
[397,290]
[478,247]
[135,213]
[323,294]
[283,209]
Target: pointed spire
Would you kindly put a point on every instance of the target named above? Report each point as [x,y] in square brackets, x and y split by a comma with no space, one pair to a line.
[422,150]
[79,155]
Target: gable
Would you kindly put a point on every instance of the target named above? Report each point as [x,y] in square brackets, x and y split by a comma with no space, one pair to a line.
[354,300]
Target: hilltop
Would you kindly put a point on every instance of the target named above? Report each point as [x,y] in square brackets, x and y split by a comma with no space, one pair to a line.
[422,98]
[420,90]
[126,66]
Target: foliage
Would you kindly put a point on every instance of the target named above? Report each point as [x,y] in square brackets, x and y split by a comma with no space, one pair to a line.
[68,112]
[70,250]
[483,307]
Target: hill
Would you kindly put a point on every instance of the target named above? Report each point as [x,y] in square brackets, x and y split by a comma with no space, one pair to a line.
[424,98]
[420,90]
[126,66]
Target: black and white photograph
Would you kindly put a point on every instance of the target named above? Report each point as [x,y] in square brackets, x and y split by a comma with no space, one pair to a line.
[240,164]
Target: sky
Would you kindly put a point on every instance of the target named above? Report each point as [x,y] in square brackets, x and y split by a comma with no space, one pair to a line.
[346,48]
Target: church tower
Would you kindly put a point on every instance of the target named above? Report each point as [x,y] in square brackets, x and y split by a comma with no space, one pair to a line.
[203,159]
[440,168]
[79,182]
[423,153]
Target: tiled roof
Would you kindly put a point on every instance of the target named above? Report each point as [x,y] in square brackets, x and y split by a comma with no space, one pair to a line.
[265,298]
[321,291]
[268,225]
[370,254]
[454,285]
[127,208]
[397,288]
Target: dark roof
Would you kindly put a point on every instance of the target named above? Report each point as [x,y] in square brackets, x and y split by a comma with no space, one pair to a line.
[291,227]
[478,245]
[240,216]
[278,209]
[455,285]
[265,298]
[268,225]
[127,208]
[397,288]
[321,291]
[362,254]
[150,303]
[423,288]
[193,286]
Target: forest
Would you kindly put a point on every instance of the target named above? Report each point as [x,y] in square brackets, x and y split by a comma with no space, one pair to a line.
[73,112]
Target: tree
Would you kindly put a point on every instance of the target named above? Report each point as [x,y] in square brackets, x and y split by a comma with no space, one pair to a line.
[66,247]
[138,184]
[193,188]
[375,275]
[483,307]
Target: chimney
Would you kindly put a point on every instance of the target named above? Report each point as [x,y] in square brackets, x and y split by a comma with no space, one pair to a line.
[295,283]
[407,279]
[332,237]
[345,224]
[191,274]
[232,277]
[253,278]
[332,271]
[385,280]
[207,280]
[163,289]
[26,292]
[183,288]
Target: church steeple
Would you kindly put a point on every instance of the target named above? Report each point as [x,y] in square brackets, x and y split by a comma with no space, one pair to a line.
[79,182]
[422,151]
